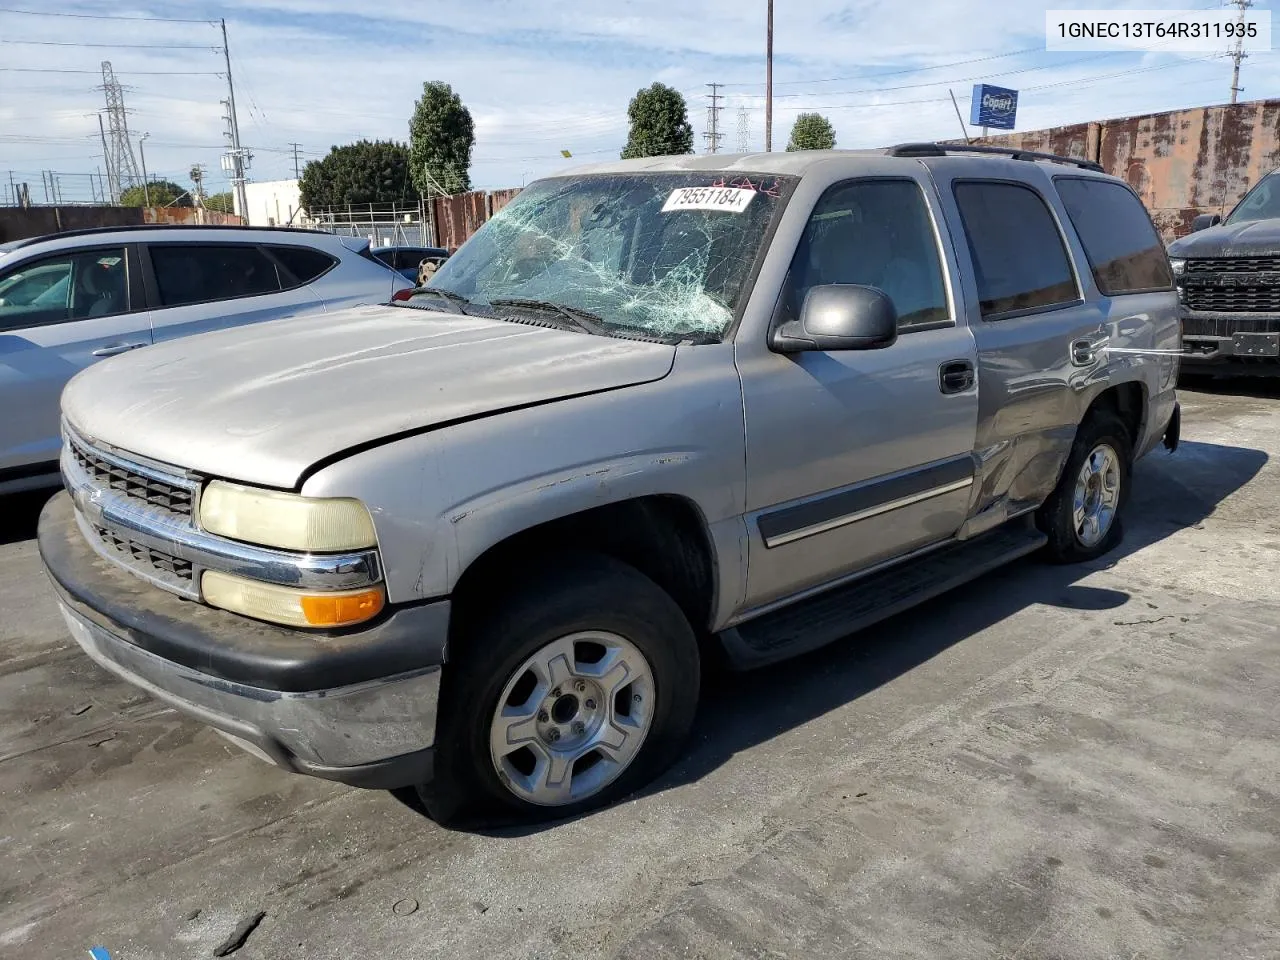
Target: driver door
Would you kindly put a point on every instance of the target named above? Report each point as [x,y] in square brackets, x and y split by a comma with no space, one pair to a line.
[858,456]
[84,315]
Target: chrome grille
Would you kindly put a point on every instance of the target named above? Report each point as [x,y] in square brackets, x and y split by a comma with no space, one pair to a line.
[135,554]
[138,486]
[1226,326]
[1233,285]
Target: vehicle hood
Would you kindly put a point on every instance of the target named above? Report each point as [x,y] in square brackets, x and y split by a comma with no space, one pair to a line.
[1250,238]
[262,403]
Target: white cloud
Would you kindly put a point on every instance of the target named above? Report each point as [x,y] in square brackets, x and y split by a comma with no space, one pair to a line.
[542,77]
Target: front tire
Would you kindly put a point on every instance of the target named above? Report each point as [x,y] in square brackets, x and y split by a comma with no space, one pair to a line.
[577,690]
[1082,516]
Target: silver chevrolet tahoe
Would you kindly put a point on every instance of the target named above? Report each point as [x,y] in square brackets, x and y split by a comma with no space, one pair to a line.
[482,541]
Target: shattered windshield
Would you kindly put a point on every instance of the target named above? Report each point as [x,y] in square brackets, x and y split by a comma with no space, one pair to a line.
[655,254]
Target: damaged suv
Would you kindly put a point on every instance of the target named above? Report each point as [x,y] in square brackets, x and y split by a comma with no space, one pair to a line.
[482,542]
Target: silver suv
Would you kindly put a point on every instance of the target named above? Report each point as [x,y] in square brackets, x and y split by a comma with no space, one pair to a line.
[482,541]
[69,300]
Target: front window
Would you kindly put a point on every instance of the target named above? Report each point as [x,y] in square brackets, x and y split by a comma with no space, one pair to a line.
[1260,203]
[664,255]
[69,286]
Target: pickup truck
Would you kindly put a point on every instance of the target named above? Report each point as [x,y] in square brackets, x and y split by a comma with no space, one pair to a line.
[1228,274]
[655,414]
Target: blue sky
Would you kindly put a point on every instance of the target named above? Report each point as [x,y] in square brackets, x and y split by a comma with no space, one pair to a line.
[541,77]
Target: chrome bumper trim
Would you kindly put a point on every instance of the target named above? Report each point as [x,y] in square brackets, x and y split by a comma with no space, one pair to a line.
[343,727]
[177,536]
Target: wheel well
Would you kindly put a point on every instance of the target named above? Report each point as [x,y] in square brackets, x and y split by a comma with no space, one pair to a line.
[1128,402]
[663,537]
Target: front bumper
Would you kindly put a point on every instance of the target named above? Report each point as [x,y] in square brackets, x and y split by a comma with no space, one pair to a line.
[1216,343]
[358,707]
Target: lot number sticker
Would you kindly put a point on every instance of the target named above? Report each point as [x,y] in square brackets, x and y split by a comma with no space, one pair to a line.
[725,199]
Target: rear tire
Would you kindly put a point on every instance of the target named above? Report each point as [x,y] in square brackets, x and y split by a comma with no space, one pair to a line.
[579,688]
[1082,516]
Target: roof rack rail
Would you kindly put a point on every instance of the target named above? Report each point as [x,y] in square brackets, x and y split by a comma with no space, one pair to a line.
[941,150]
[126,227]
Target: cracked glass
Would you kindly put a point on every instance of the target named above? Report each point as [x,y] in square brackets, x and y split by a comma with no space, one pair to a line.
[604,244]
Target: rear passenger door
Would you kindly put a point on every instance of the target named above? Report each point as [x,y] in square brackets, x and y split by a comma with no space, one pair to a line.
[196,287]
[1028,303]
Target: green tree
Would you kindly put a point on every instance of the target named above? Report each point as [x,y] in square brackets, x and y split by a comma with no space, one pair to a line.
[441,138]
[812,131]
[358,174]
[220,203]
[659,123]
[162,193]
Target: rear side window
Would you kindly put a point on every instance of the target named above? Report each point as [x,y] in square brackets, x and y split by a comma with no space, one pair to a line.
[303,262]
[190,273]
[1124,250]
[1018,253]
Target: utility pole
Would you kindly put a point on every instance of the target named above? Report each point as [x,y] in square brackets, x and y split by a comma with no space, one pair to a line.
[146,187]
[744,130]
[112,187]
[1238,53]
[13,189]
[768,85]
[237,152]
[297,174]
[713,136]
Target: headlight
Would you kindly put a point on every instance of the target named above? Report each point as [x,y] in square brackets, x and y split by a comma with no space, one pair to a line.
[285,520]
[1178,266]
[289,606]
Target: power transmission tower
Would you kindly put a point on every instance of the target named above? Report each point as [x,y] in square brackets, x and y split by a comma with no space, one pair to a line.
[744,130]
[1238,53]
[122,167]
[713,136]
[297,175]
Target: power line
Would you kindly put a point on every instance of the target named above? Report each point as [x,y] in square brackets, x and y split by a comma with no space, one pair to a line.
[122,46]
[894,73]
[103,16]
[131,73]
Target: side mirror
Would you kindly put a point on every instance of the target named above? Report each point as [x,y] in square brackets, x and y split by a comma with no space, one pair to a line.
[840,316]
[1204,221]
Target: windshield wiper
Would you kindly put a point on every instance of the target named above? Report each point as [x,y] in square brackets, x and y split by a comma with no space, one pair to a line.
[452,301]
[584,320]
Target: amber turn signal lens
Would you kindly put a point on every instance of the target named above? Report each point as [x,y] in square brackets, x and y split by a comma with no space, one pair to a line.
[342,609]
[290,606]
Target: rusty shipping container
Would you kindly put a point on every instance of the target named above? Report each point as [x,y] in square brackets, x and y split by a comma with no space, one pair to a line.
[1182,163]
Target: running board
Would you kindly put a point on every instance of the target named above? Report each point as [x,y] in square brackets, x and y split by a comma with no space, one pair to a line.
[815,622]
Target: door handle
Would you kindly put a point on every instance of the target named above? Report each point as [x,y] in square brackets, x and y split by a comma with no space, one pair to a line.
[111,349]
[1082,352]
[955,376]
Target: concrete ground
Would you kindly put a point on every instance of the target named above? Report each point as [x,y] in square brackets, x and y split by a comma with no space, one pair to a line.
[1052,762]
